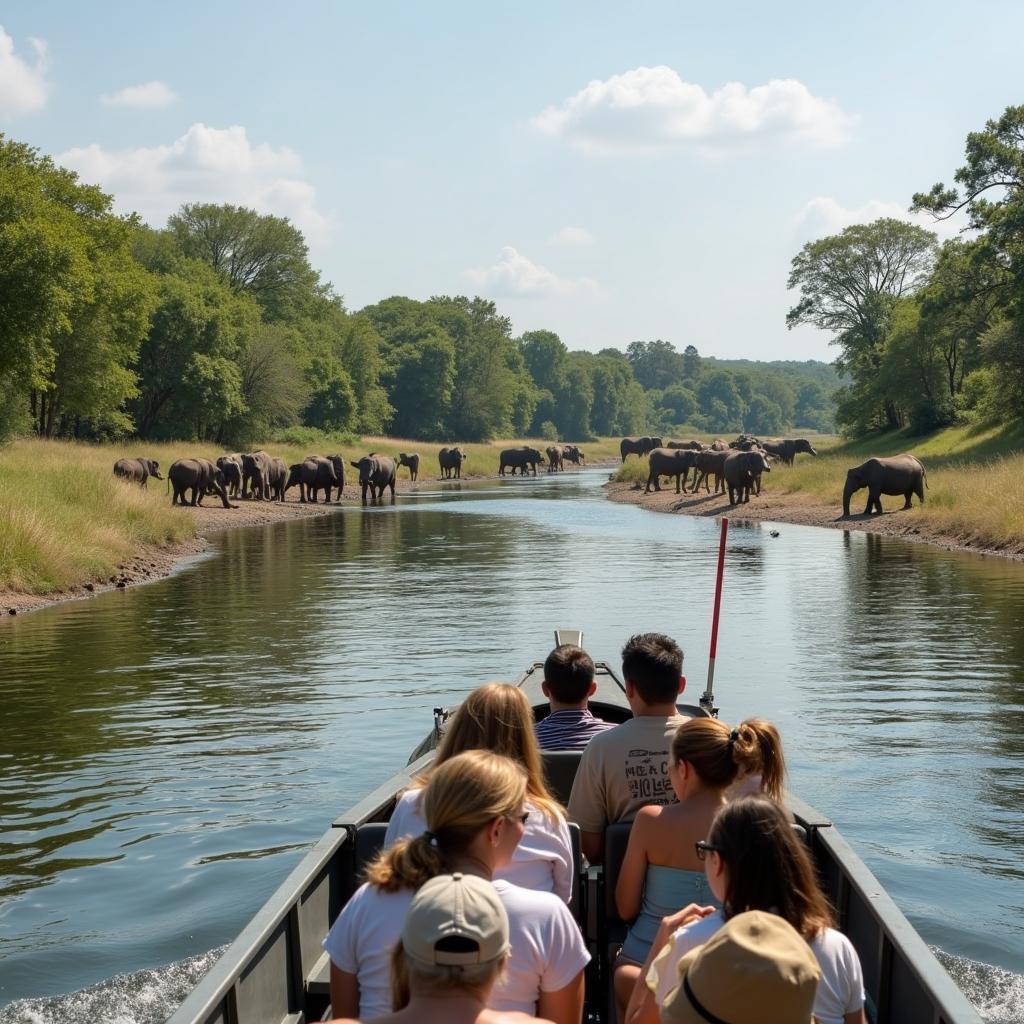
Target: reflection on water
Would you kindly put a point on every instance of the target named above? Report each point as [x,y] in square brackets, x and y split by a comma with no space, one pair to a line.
[168,753]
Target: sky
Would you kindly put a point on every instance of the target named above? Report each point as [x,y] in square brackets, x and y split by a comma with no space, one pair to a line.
[612,172]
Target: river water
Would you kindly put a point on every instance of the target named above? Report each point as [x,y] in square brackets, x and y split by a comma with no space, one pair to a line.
[167,754]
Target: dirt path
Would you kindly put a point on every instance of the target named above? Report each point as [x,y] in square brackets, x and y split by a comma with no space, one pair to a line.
[801,510]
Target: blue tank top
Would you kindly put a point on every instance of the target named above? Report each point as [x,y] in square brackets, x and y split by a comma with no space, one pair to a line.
[666,890]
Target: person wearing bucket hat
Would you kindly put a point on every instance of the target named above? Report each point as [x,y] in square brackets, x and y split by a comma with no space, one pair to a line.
[756,968]
[454,946]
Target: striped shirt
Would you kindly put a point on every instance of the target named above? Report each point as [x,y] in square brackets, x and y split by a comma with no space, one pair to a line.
[572,729]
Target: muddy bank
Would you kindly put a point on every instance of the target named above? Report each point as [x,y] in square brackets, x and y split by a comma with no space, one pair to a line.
[803,510]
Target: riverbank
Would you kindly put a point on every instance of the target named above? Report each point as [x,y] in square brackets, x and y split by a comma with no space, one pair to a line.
[974,499]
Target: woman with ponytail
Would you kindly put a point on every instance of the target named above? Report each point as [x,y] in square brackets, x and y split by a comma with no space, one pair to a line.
[498,717]
[661,871]
[475,805]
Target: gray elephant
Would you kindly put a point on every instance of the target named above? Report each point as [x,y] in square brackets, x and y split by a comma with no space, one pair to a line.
[338,462]
[137,470]
[638,446]
[519,458]
[278,476]
[718,445]
[571,453]
[707,464]
[741,470]
[255,475]
[231,467]
[412,461]
[787,449]
[675,462]
[376,472]
[554,454]
[201,477]
[315,473]
[695,446]
[900,474]
[451,460]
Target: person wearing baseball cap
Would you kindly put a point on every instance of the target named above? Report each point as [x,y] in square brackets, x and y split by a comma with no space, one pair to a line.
[755,968]
[454,945]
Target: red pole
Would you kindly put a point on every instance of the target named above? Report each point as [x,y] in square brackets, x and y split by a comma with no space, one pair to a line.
[707,700]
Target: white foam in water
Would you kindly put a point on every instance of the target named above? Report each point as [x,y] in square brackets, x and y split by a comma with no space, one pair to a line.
[146,997]
[998,994]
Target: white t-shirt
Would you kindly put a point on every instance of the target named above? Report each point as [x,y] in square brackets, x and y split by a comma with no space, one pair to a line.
[542,861]
[840,988]
[547,948]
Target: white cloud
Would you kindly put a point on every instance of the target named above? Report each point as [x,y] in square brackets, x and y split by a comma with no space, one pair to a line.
[23,85]
[150,96]
[824,215]
[514,275]
[571,235]
[216,165]
[653,108]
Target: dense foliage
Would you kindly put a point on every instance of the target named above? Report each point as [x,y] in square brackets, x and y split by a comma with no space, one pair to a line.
[929,334]
[217,328]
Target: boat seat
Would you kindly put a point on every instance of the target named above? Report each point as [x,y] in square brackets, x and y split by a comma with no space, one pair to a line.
[560,770]
[368,843]
[616,838]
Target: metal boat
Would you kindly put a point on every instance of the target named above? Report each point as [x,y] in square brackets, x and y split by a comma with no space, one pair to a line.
[276,972]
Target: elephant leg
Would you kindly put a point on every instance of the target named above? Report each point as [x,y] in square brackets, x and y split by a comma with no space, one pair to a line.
[677,484]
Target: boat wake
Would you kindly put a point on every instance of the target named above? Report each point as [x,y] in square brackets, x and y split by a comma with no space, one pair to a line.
[998,994]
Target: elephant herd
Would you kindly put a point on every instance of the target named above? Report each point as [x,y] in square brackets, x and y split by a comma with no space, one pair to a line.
[526,459]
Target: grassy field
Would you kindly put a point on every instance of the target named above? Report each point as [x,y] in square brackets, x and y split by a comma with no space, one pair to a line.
[975,490]
[65,519]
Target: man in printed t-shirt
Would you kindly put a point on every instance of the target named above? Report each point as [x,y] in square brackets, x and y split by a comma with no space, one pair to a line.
[625,768]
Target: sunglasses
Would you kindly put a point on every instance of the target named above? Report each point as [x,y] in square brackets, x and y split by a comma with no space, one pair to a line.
[703,849]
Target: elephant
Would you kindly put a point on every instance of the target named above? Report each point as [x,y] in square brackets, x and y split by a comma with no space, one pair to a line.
[745,443]
[255,475]
[313,474]
[692,445]
[900,474]
[741,470]
[787,449]
[675,462]
[278,476]
[571,453]
[200,476]
[412,461]
[376,472]
[519,458]
[718,445]
[554,454]
[338,462]
[137,470]
[231,467]
[638,446]
[451,460]
[706,464]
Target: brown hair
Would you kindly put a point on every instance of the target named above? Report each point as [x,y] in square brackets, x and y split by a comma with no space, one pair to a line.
[569,671]
[653,663]
[462,796]
[768,867]
[720,755]
[498,717]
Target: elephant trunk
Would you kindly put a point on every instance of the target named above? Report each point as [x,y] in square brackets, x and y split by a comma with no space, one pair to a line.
[847,494]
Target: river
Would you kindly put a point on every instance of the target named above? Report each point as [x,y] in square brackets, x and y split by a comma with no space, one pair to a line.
[168,753]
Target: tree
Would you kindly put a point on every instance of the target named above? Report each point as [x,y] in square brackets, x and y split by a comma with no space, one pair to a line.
[545,356]
[680,403]
[422,384]
[691,364]
[720,401]
[577,400]
[656,364]
[849,284]
[764,417]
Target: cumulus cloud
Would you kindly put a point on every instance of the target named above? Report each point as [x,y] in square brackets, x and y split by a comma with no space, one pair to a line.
[514,275]
[214,165]
[571,235]
[23,85]
[824,215]
[150,96]
[653,108]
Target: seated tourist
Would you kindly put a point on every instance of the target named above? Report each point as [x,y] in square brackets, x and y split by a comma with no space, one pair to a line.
[475,806]
[625,768]
[498,717]
[454,946]
[568,683]
[661,870]
[754,860]
[756,970]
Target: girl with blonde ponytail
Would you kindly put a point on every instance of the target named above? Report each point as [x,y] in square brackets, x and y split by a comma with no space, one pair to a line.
[661,872]
[475,805]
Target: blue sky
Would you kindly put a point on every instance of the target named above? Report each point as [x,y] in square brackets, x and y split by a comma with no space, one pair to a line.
[588,166]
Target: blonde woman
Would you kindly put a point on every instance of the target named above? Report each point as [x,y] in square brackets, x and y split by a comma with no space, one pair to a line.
[476,810]
[454,945]
[498,717]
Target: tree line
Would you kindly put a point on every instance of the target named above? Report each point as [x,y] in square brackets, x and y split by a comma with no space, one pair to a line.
[929,334]
[217,327]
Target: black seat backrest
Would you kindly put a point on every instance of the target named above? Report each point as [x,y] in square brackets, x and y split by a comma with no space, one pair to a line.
[560,771]
[616,838]
[369,841]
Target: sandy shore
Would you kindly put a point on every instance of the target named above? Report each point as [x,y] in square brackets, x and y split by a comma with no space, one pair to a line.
[802,510]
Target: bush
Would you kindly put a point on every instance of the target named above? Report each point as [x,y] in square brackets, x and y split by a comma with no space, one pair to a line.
[549,431]
[312,438]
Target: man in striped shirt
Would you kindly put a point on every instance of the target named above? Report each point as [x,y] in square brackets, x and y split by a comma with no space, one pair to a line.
[568,683]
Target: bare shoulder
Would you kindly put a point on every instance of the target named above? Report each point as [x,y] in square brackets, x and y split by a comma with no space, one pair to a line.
[510,1017]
